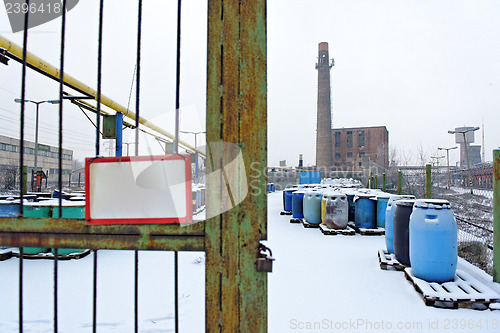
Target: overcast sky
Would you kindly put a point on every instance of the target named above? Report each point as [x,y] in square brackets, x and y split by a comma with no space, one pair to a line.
[418,67]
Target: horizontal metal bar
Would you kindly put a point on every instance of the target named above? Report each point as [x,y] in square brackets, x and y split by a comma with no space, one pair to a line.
[75,233]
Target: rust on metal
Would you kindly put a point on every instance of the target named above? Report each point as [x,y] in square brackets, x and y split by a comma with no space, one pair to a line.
[236,293]
[428,181]
[74,233]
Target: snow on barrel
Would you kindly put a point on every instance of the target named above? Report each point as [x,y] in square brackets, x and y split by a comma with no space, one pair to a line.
[336,215]
[365,211]
[312,206]
[433,240]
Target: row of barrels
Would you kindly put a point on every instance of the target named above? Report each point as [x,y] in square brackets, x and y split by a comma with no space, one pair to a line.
[335,207]
[43,207]
[421,233]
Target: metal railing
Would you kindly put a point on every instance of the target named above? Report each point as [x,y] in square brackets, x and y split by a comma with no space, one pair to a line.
[236,113]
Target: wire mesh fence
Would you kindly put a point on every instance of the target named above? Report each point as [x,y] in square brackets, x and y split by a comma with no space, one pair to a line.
[472,204]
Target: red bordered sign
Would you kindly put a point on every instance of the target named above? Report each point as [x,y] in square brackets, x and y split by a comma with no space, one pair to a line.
[138,189]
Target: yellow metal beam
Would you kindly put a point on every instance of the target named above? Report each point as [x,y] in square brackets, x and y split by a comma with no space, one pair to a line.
[51,70]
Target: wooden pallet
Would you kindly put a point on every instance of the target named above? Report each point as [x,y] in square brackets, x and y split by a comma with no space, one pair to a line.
[388,261]
[309,225]
[367,231]
[285,213]
[292,220]
[464,291]
[327,231]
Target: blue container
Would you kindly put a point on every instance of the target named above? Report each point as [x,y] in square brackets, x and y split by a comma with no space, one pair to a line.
[382,200]
[365,211]
[287,199]
[404,209]
[312,207]
[9,209]
[389,220]
[433,241]
[298,204]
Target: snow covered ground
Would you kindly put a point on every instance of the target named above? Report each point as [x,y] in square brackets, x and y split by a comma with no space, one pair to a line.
[334,283]
[319,283]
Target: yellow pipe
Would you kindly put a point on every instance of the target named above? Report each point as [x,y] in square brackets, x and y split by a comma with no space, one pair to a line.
[49,69]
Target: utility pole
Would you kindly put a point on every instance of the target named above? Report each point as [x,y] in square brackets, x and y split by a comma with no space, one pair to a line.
[448,162]
[37,103]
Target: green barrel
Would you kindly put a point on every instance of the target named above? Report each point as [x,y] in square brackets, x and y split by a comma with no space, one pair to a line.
[74,210]
[37,209]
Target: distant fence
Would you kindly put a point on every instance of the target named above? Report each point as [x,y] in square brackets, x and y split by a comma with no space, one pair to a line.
[473,212]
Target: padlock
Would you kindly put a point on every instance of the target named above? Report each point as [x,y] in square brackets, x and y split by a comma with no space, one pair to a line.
[264,261]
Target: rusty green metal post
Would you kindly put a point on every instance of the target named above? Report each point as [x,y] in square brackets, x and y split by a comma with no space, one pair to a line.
[25,180]
[428,181]
[376,182]
[496,215]
[400,181]
[236,294]
[383,182]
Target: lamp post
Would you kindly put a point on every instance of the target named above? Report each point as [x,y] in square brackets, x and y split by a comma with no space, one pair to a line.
[466,153]
[18,100]
[437,165]
[448,162]
[196,153]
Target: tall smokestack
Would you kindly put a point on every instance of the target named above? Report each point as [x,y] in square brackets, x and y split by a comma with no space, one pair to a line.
[324,142]
[301,163]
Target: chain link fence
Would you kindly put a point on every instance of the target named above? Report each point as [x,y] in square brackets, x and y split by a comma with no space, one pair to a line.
[472,204]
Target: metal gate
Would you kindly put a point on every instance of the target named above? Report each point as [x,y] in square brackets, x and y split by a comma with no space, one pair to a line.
[235,292]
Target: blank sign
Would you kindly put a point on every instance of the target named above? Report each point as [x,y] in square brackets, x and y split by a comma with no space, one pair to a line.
[138,190]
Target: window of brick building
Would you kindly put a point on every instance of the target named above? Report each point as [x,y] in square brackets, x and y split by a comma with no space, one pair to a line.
[349,139]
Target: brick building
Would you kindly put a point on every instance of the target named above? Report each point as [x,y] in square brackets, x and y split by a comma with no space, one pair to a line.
[352,145]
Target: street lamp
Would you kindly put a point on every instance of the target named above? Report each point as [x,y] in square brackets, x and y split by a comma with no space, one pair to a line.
[18,100]
[448,161]
[196,153]
[466,153]
[437,164]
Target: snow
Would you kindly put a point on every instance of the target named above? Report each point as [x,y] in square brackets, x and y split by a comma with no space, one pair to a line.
[319,283]
[329,282]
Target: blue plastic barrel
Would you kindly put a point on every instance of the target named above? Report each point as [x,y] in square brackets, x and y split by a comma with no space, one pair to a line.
[351,206]
[389,220]
[382,200]
[298,204]
[287,199]
[365,211]
[404,209]
[433,241]
[312,206]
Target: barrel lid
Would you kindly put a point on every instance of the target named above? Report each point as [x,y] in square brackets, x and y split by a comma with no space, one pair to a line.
[301,191]
[433,203]
[365,195]
[383,196]
[290,189]
[338,195]
[405,203]
[397,197]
